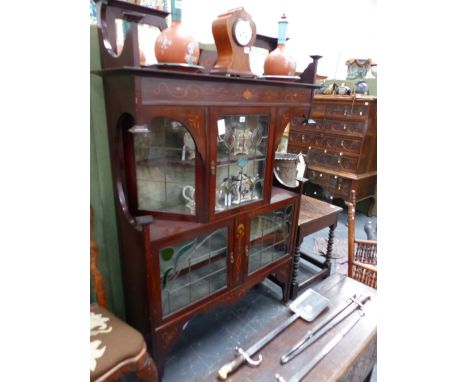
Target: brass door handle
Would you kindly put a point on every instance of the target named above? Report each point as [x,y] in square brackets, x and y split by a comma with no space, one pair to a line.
[232,257]
[246,251]
[213,168]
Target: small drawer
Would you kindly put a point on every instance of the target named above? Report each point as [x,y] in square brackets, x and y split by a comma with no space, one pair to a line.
[347,110]
[338,161]
[326,191]
[345,127]
[293,149]
[325,141]
[337,184]
[299,138]
[318,110]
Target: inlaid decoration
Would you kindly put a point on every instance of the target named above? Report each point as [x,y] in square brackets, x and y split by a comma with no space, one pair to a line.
[247,94]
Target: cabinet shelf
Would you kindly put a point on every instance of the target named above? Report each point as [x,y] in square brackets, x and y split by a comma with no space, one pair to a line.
[166,163]
[224,161]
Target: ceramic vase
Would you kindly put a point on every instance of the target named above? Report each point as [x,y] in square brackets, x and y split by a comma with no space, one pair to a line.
[358,68]
[279,62]
[175,45]
[362,87]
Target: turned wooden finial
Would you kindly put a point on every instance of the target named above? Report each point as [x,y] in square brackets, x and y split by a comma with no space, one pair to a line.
[96,275]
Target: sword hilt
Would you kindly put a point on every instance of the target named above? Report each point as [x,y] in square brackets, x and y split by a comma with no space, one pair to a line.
[362,301]
[279,378]
[249,360]
[229,367]
[237,362]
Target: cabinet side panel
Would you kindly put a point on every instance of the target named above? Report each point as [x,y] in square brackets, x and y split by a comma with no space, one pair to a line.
[101,194]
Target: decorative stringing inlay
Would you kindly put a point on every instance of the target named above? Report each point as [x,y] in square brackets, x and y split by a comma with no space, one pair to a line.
[247,94]
[194,121]
[169,334]
[240,231]
[238,268]
[207,92]
[285,118]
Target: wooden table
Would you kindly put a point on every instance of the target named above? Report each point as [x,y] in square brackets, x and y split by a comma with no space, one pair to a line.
[314,215]
[351,359]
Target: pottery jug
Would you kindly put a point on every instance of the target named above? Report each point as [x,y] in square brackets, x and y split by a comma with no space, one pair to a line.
[343,90]
[175,45]
[279,62]
[188,193]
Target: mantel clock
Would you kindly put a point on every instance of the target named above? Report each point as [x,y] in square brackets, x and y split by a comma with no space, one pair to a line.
[234,33]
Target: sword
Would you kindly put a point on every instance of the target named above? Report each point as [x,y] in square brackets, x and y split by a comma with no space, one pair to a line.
[328,323]
[326,349]
[307,312]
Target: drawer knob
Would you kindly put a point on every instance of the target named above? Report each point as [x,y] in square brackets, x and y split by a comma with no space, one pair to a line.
[246,251]
[232,257]
[342,143]
[302,138]
[344,127]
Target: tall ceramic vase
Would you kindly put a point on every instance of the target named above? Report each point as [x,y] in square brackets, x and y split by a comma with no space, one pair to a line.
[279,62]
[174,45]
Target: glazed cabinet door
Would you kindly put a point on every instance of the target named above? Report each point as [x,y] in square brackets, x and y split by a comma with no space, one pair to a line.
[165,157]
[268,236]
[241,152]
[194,268]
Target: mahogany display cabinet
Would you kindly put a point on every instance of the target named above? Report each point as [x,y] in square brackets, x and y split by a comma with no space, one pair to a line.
[199,221]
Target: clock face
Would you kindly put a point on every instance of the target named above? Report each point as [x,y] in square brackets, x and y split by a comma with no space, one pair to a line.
[243,32]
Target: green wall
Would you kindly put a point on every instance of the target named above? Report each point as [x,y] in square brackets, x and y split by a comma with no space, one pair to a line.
[102,198]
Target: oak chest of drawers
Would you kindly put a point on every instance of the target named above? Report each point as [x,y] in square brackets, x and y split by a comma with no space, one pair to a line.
[341,146]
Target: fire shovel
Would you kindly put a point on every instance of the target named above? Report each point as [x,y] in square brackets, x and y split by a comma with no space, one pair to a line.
[307,306]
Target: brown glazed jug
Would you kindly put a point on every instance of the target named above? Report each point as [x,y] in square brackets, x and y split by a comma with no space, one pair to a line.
[279,62]
[174,45]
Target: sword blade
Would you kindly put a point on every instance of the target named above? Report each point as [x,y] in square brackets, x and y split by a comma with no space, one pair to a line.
[323,327]
[326,349]
[268,337]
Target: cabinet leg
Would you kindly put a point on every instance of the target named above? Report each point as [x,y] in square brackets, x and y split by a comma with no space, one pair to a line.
[295,270]
[148,371]
[328,262]
[163,340]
